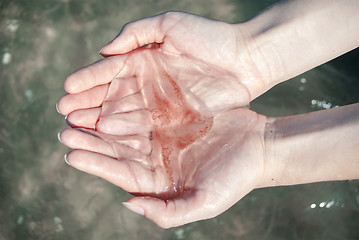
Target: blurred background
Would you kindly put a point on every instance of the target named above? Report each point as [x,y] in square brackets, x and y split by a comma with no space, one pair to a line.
[43,41]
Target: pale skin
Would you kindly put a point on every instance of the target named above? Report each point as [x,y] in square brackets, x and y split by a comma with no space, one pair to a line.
[216,68]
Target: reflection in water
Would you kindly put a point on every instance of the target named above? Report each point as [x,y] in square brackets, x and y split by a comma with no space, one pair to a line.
[42,198]
[328,204]
[322,104]
[6,57]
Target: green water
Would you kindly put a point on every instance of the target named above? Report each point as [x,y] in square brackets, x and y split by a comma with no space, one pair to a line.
[42,198]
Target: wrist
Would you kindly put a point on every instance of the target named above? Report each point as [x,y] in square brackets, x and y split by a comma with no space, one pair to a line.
[276,155]
[258,63]
[289,39]
[313,147]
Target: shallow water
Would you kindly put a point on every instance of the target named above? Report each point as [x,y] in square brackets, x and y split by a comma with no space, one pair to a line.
[42,198]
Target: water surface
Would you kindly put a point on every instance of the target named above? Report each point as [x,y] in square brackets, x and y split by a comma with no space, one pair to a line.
[42,198]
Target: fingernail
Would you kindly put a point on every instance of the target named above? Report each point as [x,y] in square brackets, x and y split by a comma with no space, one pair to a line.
[134,208]
[65,158]
[59,137]
[57,108]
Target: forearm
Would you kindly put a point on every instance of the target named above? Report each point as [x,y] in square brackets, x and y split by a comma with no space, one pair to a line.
[295,36]
[319,146]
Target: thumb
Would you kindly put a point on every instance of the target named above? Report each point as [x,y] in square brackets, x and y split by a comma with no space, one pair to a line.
[134,35]
[169,213]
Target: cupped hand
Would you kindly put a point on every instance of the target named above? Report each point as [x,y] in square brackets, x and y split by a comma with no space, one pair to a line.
[213,45]
[160,126]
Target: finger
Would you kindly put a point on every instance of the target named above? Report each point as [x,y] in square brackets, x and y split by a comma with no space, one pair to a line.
[111,145]
[171,213]
[131,123]
[127,104]
[79,139]
[84,118]
[88,119]
[94,97]
[118,148]
[136,34]
[98,73]
[125,174]
[137,142]
[88,99]
[121,87]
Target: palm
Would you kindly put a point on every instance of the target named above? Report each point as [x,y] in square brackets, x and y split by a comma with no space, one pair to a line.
[231,150]
[181,111]
[211,45]
[165,129]
[166,121]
